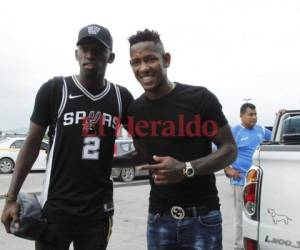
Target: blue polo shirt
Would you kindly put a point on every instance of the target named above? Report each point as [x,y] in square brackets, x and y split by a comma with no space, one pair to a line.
[247,140]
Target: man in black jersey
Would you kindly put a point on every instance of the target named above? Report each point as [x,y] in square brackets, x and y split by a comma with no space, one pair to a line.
[173,126]
[82,113]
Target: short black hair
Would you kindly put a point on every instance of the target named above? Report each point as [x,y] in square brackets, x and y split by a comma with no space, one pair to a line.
[245,106]
[145,36]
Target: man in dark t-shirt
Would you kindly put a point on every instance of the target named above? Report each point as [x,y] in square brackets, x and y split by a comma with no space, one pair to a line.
[173,126]
[82,113]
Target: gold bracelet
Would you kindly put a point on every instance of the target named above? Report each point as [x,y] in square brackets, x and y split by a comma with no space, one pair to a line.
[9,197]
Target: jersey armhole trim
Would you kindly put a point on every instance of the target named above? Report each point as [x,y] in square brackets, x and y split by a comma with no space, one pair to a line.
[119,99]
[64,99]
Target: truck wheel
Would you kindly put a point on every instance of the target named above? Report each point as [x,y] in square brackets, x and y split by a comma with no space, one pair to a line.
[6,165]
[127,174]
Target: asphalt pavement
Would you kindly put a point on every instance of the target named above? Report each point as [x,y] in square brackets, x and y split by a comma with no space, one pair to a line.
[131,201]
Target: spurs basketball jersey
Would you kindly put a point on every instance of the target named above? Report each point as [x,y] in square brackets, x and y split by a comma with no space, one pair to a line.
[77,185]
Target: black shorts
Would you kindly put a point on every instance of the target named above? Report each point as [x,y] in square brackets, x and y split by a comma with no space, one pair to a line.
[84,236]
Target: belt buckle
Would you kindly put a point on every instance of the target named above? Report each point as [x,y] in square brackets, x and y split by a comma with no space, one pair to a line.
[177,212]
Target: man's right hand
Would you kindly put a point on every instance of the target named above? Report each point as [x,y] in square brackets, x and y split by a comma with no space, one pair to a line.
[232,173]
[25,160]
[10,213]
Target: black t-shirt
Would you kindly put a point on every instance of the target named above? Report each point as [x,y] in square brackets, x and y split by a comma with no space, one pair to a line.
[179,125]
[77,183]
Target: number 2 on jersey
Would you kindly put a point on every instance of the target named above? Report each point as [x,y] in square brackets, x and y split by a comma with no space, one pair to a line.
[90,150]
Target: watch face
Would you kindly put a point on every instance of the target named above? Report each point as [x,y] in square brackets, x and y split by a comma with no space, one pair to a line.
[189,172]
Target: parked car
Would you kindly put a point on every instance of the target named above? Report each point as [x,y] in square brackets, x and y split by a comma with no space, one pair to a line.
[127,174]
[9,149]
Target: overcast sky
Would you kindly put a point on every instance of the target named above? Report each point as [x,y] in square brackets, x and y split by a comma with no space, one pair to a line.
[238,49]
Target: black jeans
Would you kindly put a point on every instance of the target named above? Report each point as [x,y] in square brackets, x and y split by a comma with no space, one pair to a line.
[85,236]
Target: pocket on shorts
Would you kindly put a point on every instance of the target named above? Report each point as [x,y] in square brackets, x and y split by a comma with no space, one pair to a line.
[212,219]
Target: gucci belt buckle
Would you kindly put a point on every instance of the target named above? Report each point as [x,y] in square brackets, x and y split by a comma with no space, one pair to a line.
[177,212]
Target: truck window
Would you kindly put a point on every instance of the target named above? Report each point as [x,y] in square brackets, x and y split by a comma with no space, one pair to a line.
[291,129]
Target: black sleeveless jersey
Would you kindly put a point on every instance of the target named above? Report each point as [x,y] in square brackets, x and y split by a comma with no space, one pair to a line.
[77,183]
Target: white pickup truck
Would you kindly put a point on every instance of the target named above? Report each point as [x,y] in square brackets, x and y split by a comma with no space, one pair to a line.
[271,217]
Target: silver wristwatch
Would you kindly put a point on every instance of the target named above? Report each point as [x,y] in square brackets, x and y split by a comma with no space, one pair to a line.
[188,170]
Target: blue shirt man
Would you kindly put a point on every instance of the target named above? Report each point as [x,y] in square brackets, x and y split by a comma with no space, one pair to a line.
[248,136]
[247,139]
